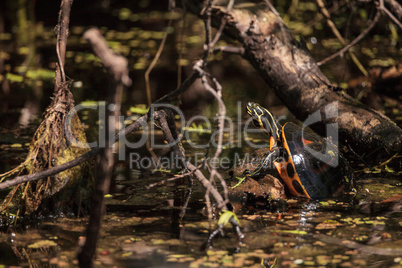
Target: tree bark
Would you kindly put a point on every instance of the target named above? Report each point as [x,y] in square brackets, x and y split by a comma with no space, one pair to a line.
[289,69]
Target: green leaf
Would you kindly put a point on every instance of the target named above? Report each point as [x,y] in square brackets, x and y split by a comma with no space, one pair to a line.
[225,217]
[240,181]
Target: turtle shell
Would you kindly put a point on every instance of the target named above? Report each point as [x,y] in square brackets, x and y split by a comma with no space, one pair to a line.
[317,163]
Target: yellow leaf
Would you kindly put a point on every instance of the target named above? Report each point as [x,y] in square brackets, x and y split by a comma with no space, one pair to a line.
[225,217]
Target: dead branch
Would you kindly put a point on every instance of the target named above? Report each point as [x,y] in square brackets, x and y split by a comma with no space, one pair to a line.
[94,151]
[354,42]
[165,121]
[291,72]
[331,25]
[82,158]
[155,60]
[220,202]
[117,67]
[50,145]
[62,35]
[175,177]
[146,77]
[170,133]
[221,124]
[49,172]
[208,49]
[115,64]
[397,8]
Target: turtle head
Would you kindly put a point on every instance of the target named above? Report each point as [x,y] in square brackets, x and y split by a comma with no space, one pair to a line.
[263,119]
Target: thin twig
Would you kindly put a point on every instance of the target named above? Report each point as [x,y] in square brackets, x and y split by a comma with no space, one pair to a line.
[156,58]
[354,42]
[221,204]
[221,27]
[49,172]
[169,131]
[318,16]
[272,8]
[208,48]
[389,14]
[183,87]
[94,151]
[176,177]
[221,124]
[181,46]
[338,35]
[395,7]
[207,25]
[85,157]
[147,84]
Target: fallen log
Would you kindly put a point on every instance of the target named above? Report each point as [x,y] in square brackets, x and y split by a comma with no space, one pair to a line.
[291,72]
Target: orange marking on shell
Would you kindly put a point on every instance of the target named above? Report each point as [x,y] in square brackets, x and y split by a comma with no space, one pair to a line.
[281,168]
[306,142]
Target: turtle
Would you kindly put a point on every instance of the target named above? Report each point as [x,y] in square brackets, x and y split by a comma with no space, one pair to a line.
[309,165]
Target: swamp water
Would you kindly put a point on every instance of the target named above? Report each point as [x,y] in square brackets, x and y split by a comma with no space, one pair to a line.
[146,225]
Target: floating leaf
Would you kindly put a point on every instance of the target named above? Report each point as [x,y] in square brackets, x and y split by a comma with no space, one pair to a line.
[124,14]
[89,103]
[43,244]
[299,232]
[16,145]
[139,109]
[127,254]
